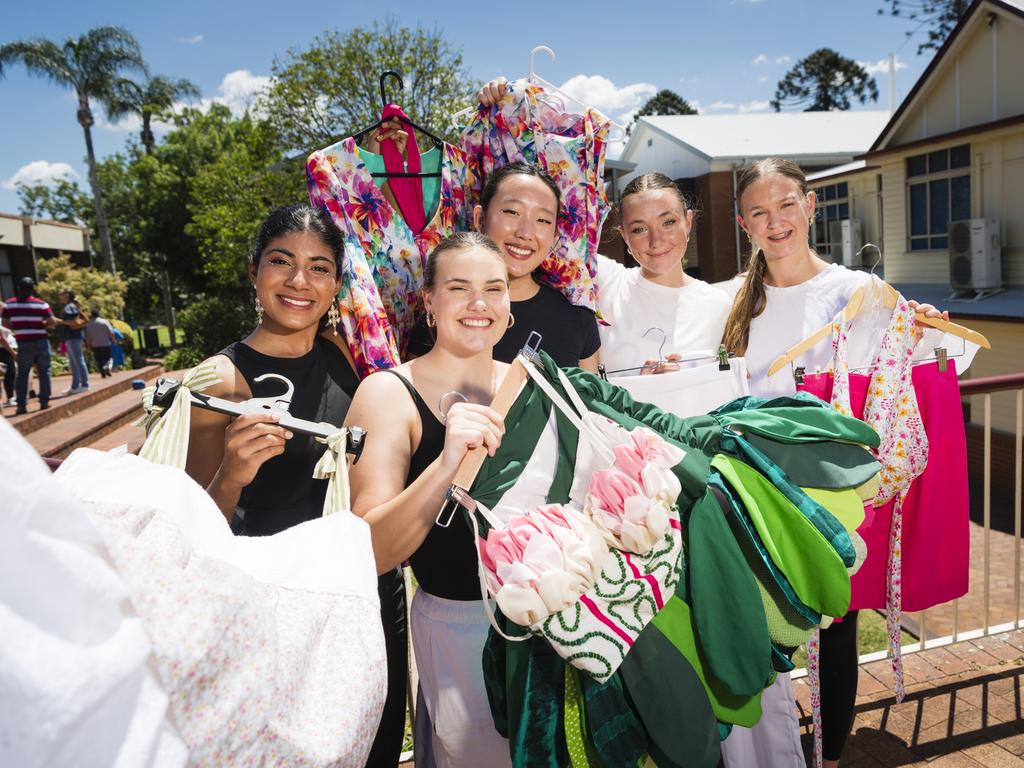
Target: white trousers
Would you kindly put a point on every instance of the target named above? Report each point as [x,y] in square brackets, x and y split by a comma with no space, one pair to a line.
[775,741]
[448,639]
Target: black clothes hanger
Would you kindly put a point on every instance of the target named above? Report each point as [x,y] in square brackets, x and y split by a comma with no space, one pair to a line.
[438,142]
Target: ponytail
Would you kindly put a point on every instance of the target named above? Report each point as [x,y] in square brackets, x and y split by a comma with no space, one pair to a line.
[750,302]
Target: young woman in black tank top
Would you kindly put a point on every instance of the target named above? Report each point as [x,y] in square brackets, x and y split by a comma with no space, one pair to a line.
[259,474]
[421,419]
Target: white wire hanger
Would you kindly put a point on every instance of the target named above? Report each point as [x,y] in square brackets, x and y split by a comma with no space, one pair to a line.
[549,87]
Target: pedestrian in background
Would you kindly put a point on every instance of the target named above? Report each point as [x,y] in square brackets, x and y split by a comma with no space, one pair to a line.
[99,336]
[29,318]
[71,329]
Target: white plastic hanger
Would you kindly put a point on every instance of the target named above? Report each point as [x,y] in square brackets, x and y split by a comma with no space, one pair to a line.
[618,131]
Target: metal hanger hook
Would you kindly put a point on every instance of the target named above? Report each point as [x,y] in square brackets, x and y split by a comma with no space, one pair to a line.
[383,77]
[533,55]
[664,338]
[877,250]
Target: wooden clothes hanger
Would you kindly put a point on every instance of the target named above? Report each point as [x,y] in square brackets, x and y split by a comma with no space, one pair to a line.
[853,306]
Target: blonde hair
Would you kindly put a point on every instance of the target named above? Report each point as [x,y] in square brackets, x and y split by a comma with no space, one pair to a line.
[751,298]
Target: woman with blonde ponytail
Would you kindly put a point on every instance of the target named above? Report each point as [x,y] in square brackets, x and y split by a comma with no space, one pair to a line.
[788,292]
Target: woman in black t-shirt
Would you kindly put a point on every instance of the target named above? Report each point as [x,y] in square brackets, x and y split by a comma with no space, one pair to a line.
[260,474]
[519,211]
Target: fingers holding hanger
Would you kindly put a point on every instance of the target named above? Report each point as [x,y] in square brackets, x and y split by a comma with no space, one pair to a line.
[928,310]
[390,129]
[669,364]
[468,426]
[492,92]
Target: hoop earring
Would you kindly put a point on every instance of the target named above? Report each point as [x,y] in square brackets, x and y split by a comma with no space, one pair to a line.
[431,321]
[259,311]
[511,319]
[334,316]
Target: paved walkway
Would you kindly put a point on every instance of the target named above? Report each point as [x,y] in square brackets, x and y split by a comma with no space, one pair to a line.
[963,708]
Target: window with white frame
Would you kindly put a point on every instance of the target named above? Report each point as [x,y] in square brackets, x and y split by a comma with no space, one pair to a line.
[938,192]
[833,203]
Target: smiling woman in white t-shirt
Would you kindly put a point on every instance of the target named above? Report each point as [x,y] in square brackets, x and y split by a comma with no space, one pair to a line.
[655,223]
[787,293]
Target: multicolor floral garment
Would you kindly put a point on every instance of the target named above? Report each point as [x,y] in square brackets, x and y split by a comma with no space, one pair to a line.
[891,409]
[533,126]
[383,268]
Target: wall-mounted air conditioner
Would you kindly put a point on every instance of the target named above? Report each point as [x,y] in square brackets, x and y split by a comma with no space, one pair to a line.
[975,258]
[845,237]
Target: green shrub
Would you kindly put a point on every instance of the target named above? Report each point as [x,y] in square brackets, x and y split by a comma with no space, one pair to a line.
[183,357]
[211,323]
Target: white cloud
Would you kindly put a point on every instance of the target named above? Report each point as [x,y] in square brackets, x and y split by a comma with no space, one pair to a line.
[881,67]
[721,106]
[763,79]
[783,59]
[40,172]
[600,92]
[193,40]
[239,89]
[760,59]
[754,106]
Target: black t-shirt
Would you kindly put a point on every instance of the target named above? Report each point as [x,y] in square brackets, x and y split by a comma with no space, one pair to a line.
[568,333]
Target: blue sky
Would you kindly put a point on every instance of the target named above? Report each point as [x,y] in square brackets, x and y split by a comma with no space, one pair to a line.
[722,55]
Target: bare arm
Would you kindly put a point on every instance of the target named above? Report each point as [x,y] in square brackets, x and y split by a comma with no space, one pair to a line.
[400,517]
[590,363]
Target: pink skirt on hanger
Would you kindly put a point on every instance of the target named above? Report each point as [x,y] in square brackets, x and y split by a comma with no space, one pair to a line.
[936,513]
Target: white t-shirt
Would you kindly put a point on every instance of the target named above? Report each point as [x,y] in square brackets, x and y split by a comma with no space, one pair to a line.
[692,318]
[791,315]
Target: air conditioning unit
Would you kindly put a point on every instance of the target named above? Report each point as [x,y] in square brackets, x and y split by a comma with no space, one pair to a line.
[975,258]
[846,242]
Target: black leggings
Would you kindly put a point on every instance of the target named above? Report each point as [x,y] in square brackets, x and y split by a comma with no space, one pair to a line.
[838,665]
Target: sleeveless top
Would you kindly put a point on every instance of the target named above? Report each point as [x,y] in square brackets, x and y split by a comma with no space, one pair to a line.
[284,493]
[445,565]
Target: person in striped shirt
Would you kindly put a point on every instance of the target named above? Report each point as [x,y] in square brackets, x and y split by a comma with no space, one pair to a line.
[30,319]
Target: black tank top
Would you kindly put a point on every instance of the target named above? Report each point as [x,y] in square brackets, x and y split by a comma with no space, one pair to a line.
[445,565]
[284,493]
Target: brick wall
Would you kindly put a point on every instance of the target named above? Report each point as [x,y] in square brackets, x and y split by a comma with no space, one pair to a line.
[715,227]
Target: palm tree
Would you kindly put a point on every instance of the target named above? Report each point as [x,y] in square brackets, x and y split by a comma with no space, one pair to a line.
[90,64]
[155,94]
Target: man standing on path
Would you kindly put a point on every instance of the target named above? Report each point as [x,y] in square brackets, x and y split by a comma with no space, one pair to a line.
[99,336]
[72,333]
[8,359]
[29,317]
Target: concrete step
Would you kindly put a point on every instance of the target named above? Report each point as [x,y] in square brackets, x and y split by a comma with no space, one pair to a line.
[65,406]
[129,435]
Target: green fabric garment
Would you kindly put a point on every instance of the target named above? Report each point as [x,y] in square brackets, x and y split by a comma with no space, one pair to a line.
[810,563]
[827,465]
[430,162]
[675,621]
[826,524]
[616,733]
[847,506]
[802,425]
[741,518]
[671,702]
[727,611]
[539,741]
[576,739]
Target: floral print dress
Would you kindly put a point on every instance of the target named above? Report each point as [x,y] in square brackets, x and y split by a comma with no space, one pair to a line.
[382,272]
[533,126]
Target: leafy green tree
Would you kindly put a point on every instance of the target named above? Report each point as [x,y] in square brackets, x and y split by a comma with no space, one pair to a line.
[90,65]
[155,95]
[664,102]
[92,287]
[939,16]
[331,89]
[824,81]
[64,201]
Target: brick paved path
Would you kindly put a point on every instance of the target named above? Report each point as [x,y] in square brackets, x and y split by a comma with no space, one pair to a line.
[963,708]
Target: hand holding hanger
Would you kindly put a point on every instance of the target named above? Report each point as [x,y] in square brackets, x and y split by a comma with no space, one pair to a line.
[389,129]
[493,91]
[925,314]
